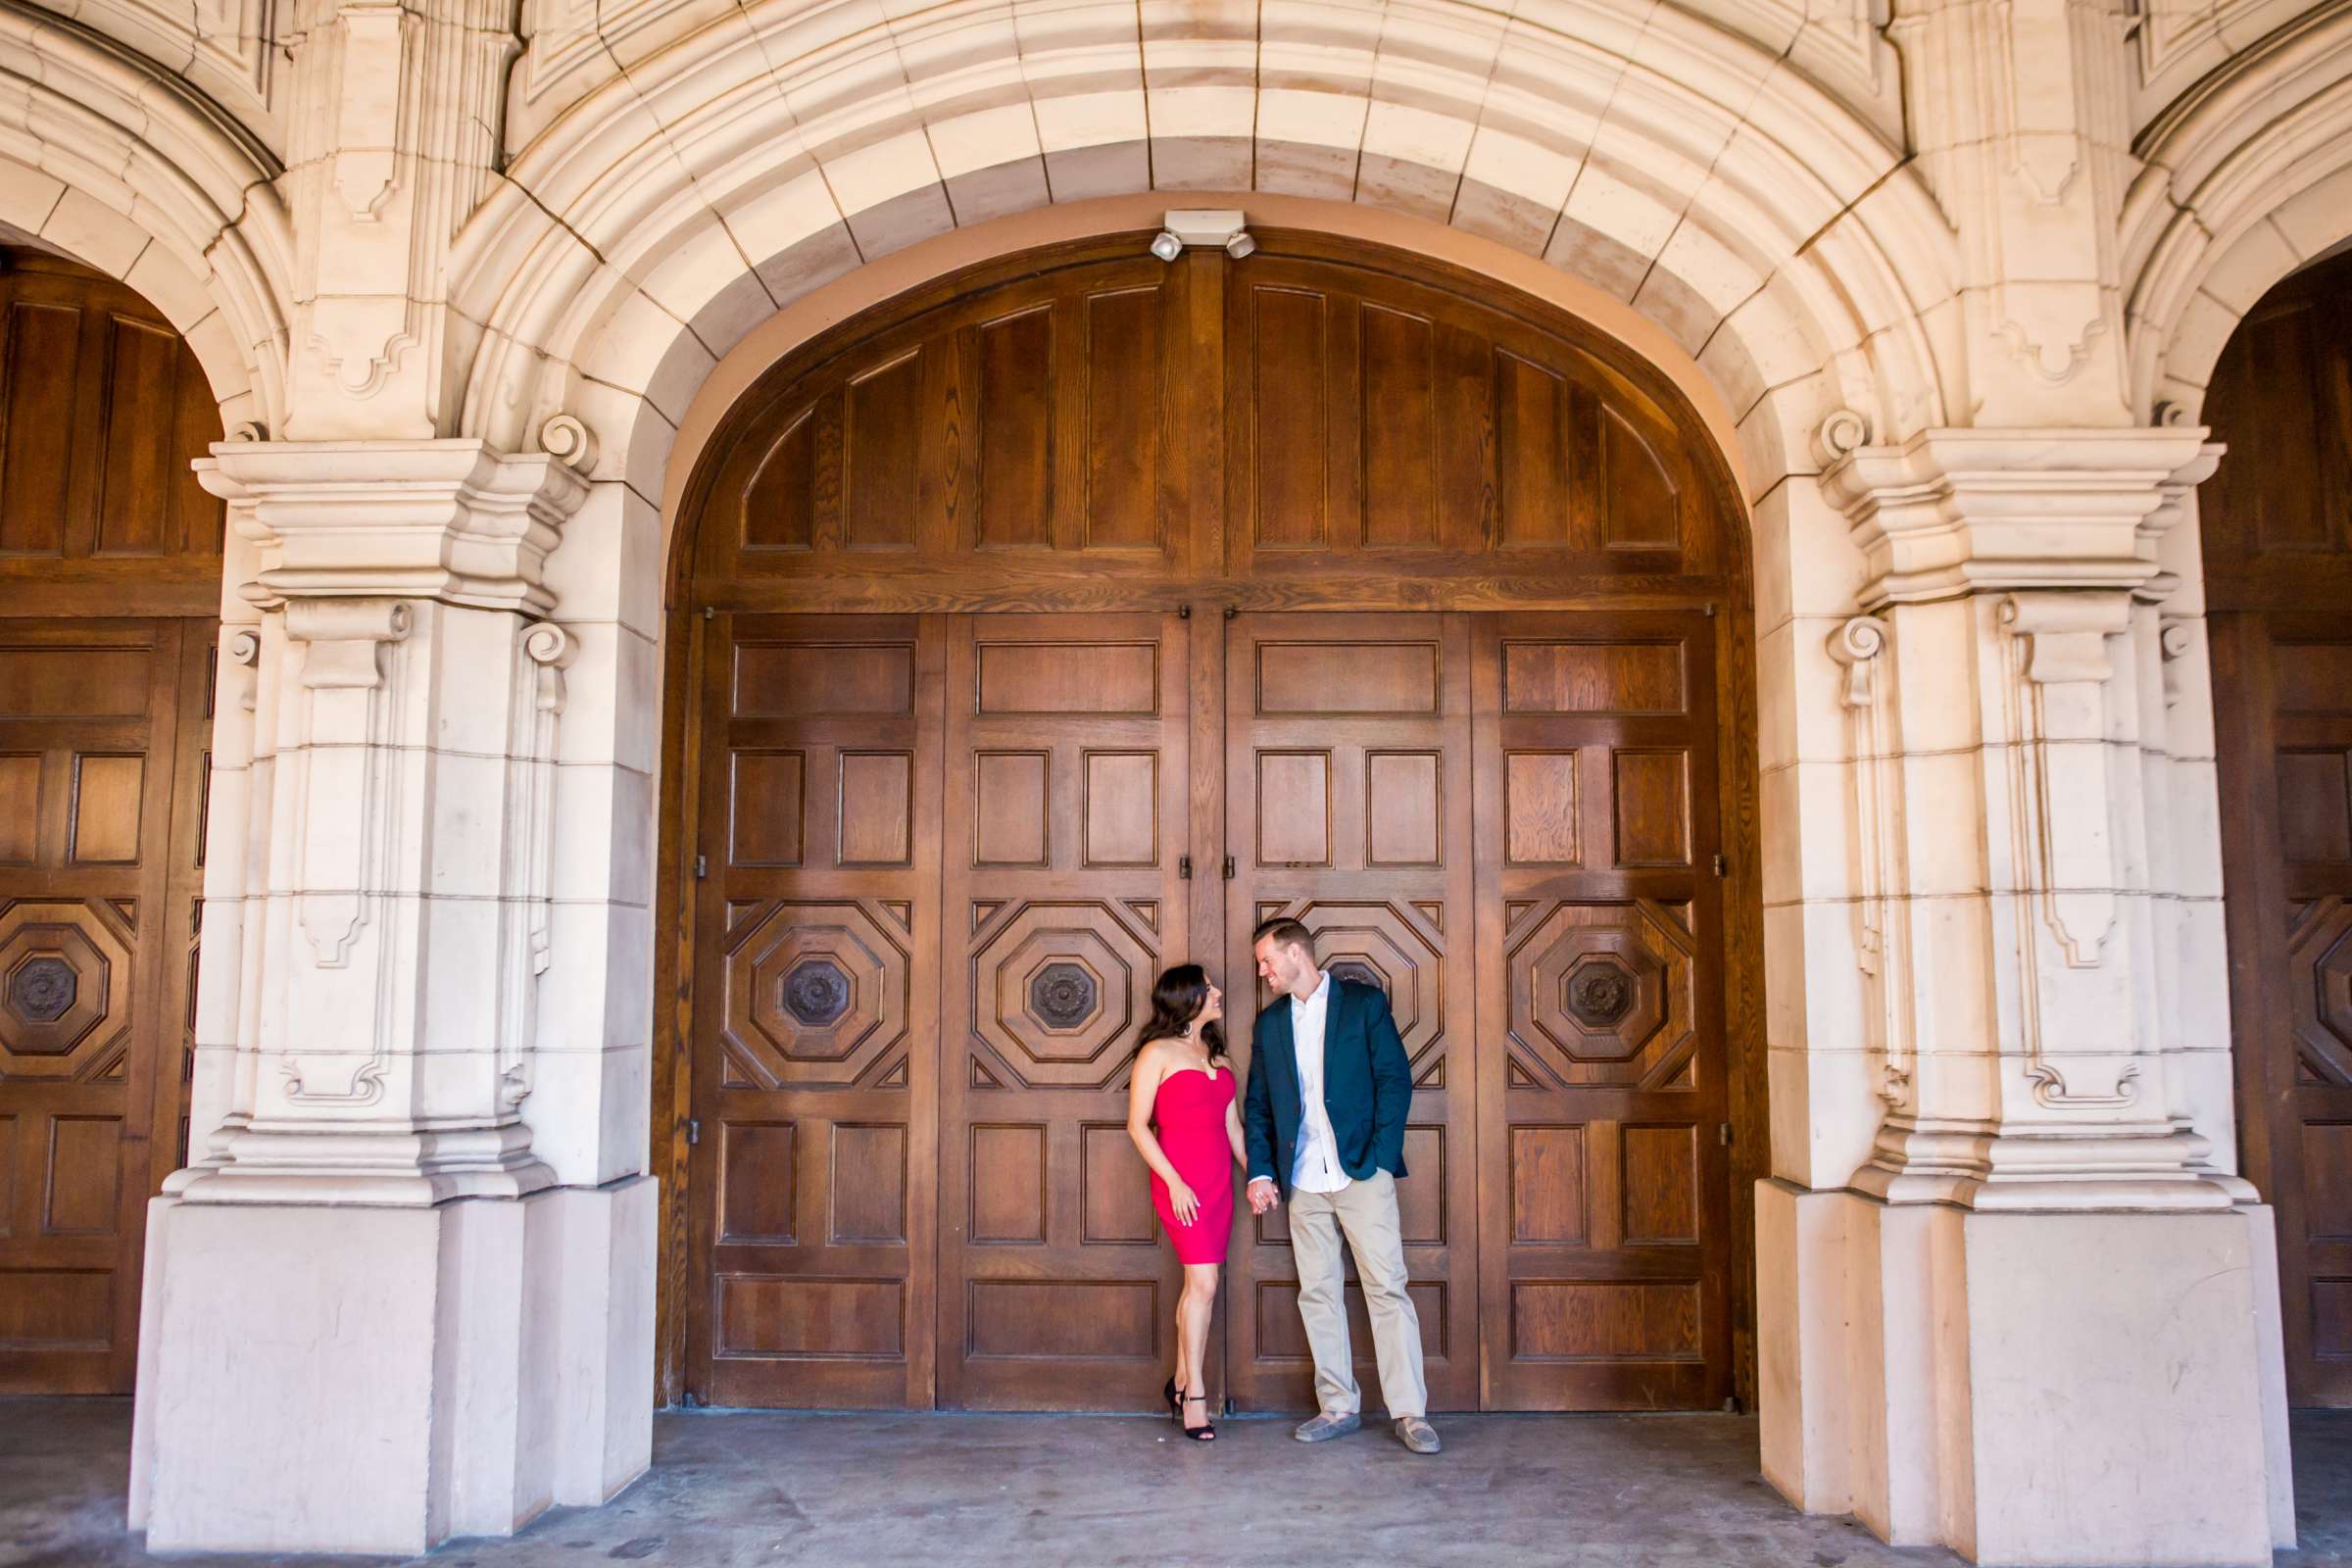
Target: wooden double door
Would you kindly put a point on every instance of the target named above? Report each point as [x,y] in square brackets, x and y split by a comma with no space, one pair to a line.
[941,858]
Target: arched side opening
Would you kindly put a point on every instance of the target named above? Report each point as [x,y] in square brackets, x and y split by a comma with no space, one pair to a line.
[1059,619]
[110,572]
[2275,524]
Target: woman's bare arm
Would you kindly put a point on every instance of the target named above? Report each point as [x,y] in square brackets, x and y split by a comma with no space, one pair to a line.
[1142,1089]
[1232,1133]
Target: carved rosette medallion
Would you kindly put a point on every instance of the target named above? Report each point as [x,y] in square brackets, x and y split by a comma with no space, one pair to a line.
[1063,996]
[817,993]
[42,989]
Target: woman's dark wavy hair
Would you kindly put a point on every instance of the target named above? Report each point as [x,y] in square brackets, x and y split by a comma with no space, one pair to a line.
[1176,997]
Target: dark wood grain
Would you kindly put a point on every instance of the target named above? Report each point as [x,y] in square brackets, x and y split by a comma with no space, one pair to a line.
[2276,534]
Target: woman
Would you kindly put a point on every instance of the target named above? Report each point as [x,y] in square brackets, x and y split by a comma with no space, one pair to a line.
[1184,1115]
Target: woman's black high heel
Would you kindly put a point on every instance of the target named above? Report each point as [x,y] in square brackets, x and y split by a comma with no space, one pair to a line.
[1175,1403]
[1205,1432]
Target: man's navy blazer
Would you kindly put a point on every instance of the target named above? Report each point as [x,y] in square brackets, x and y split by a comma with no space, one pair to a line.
[1367,1084]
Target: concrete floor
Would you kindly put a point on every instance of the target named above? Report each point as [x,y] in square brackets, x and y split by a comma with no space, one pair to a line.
[738,1489]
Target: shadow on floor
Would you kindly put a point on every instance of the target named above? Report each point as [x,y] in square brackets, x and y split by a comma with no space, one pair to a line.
[744,1488]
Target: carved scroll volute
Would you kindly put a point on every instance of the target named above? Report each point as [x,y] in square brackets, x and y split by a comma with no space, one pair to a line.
[347,646]
[2060,788]
[547,648]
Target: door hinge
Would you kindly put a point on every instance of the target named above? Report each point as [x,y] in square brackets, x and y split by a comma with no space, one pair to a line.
[1184,611]
[701,867]
[1709,609]
[1723,1134]
[710,612]
[1232,612]
[1229,868]
[694,1130]
[1184,867]
[1719,865]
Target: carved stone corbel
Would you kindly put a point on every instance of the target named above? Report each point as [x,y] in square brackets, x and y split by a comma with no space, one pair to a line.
[1882,919]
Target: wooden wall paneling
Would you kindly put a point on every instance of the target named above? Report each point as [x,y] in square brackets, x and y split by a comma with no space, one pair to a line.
[91,1025]
[692,643]
[102,409]
[1600,990]
[1363,831]
[814,1044]
[1058,1291]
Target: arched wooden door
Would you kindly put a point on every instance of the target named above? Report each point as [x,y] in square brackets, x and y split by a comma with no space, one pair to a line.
[110,578]
[2277,533]
[1061,622]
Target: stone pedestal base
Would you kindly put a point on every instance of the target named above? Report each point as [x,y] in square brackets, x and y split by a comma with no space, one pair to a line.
[320,1378]
[2026,1388]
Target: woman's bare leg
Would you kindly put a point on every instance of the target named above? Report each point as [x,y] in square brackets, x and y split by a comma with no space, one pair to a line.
[1192,1310]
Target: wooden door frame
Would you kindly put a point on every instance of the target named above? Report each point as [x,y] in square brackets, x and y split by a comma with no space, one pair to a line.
[691,605]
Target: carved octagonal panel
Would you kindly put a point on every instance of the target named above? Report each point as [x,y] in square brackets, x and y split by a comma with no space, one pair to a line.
[1055,993]
[816,993]
[63,974]
[1602,992]
[2320,963]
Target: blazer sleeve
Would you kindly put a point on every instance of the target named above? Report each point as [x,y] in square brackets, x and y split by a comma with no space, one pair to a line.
[1391,1086]
[1257,1114]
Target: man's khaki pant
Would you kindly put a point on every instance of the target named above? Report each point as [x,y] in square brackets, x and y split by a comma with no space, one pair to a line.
[1366,1211]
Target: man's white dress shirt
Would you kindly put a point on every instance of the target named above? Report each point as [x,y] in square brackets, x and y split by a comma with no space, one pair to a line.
[1316,1169]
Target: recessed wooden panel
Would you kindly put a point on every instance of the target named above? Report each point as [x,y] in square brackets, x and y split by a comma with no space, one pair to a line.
[106,809]
[1293,808]
[43,351]
[2314,677]
[1592,677]
[74,682]
[1401,809]
[8,1175]
[19,806]
[1282,1334]
[1592,1320]
[762,1315]
[2315,806]
[134,507]
[2327,1180]
[1660,1184]
[1421,1197]
[758,1183]
[1069,678]
[1008,1184]
[2332,1318]
[877,807]
[1635,488]
[1532,462]
[1539,808]
[1122,807]
[766,809]
[1548,1186]
[1652,807]
[1126,439]
[1293,408]
[779,499]
[1399,415]
[84,1179]
[1088,1319]
[868,1184]
[880,433]
[55,1308]
[1117,1204]
[1319,677]
[823,680]
[1016,429]
[1008,809]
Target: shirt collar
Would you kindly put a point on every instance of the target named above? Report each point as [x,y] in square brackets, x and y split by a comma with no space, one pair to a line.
[1321,992]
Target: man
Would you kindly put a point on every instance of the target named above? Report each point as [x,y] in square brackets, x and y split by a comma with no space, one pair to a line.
[1324,1122]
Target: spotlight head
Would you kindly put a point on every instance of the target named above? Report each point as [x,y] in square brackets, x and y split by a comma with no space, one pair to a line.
[1166,246]
[1239,245]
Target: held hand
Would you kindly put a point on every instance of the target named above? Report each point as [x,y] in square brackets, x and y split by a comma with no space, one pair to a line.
[1181,1199]
[1262,1195]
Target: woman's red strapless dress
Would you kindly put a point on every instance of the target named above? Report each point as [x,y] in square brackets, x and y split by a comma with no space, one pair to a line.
[1189,1115]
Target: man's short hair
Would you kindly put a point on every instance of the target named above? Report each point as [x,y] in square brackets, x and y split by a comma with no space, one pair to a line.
[1285,932]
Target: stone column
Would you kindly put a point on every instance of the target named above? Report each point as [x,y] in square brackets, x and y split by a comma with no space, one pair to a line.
[404,1290]
[2040,1322]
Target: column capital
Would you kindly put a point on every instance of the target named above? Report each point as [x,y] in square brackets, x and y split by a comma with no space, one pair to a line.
[453,520]
[1957,512]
